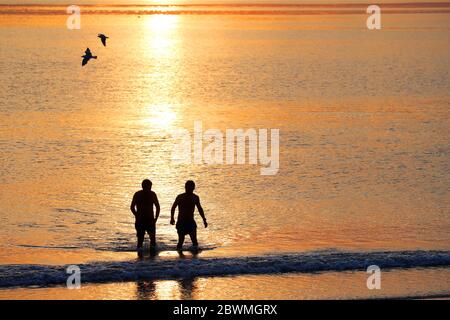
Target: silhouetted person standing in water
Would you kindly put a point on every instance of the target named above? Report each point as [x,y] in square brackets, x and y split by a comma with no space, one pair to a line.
[142,208]
[186,203]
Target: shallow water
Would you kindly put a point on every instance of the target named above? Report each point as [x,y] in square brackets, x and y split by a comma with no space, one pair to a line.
[363,118]
[404,284]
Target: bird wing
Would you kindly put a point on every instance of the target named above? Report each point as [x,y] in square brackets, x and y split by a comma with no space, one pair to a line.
[85,60]
[104,40]
[88,52]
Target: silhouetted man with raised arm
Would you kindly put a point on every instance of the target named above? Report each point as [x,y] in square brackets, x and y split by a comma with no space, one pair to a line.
[142,208]
[186,203]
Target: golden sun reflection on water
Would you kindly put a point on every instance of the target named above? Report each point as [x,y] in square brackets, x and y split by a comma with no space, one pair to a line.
[162,31]
[161,116]
[167,290]
[161,22]
[160,45]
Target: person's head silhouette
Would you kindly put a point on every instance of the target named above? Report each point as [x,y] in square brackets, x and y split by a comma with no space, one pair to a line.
[146,185]
[189,186]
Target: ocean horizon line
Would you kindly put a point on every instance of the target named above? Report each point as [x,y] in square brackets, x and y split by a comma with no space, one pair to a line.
[227,9]
[249,4]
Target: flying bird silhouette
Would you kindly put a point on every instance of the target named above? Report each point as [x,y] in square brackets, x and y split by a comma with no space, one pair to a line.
[103,38]
[87,56]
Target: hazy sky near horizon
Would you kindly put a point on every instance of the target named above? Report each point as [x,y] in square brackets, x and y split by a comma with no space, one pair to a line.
[200,1]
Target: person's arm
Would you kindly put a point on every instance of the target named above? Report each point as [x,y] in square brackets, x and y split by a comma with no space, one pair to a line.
[200,210]
[133,205]
[172,211]
[158,209]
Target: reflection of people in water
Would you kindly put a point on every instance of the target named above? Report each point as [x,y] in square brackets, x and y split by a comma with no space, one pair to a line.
[145,290]
[142,208]
[188,288]
[186,203]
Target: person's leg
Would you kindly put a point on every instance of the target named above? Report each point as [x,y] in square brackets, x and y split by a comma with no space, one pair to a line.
[140,233]
[152,233]
[193,236]
[152,239]
[180,241]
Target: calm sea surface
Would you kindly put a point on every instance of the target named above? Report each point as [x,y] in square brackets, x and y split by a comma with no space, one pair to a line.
[364,150]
